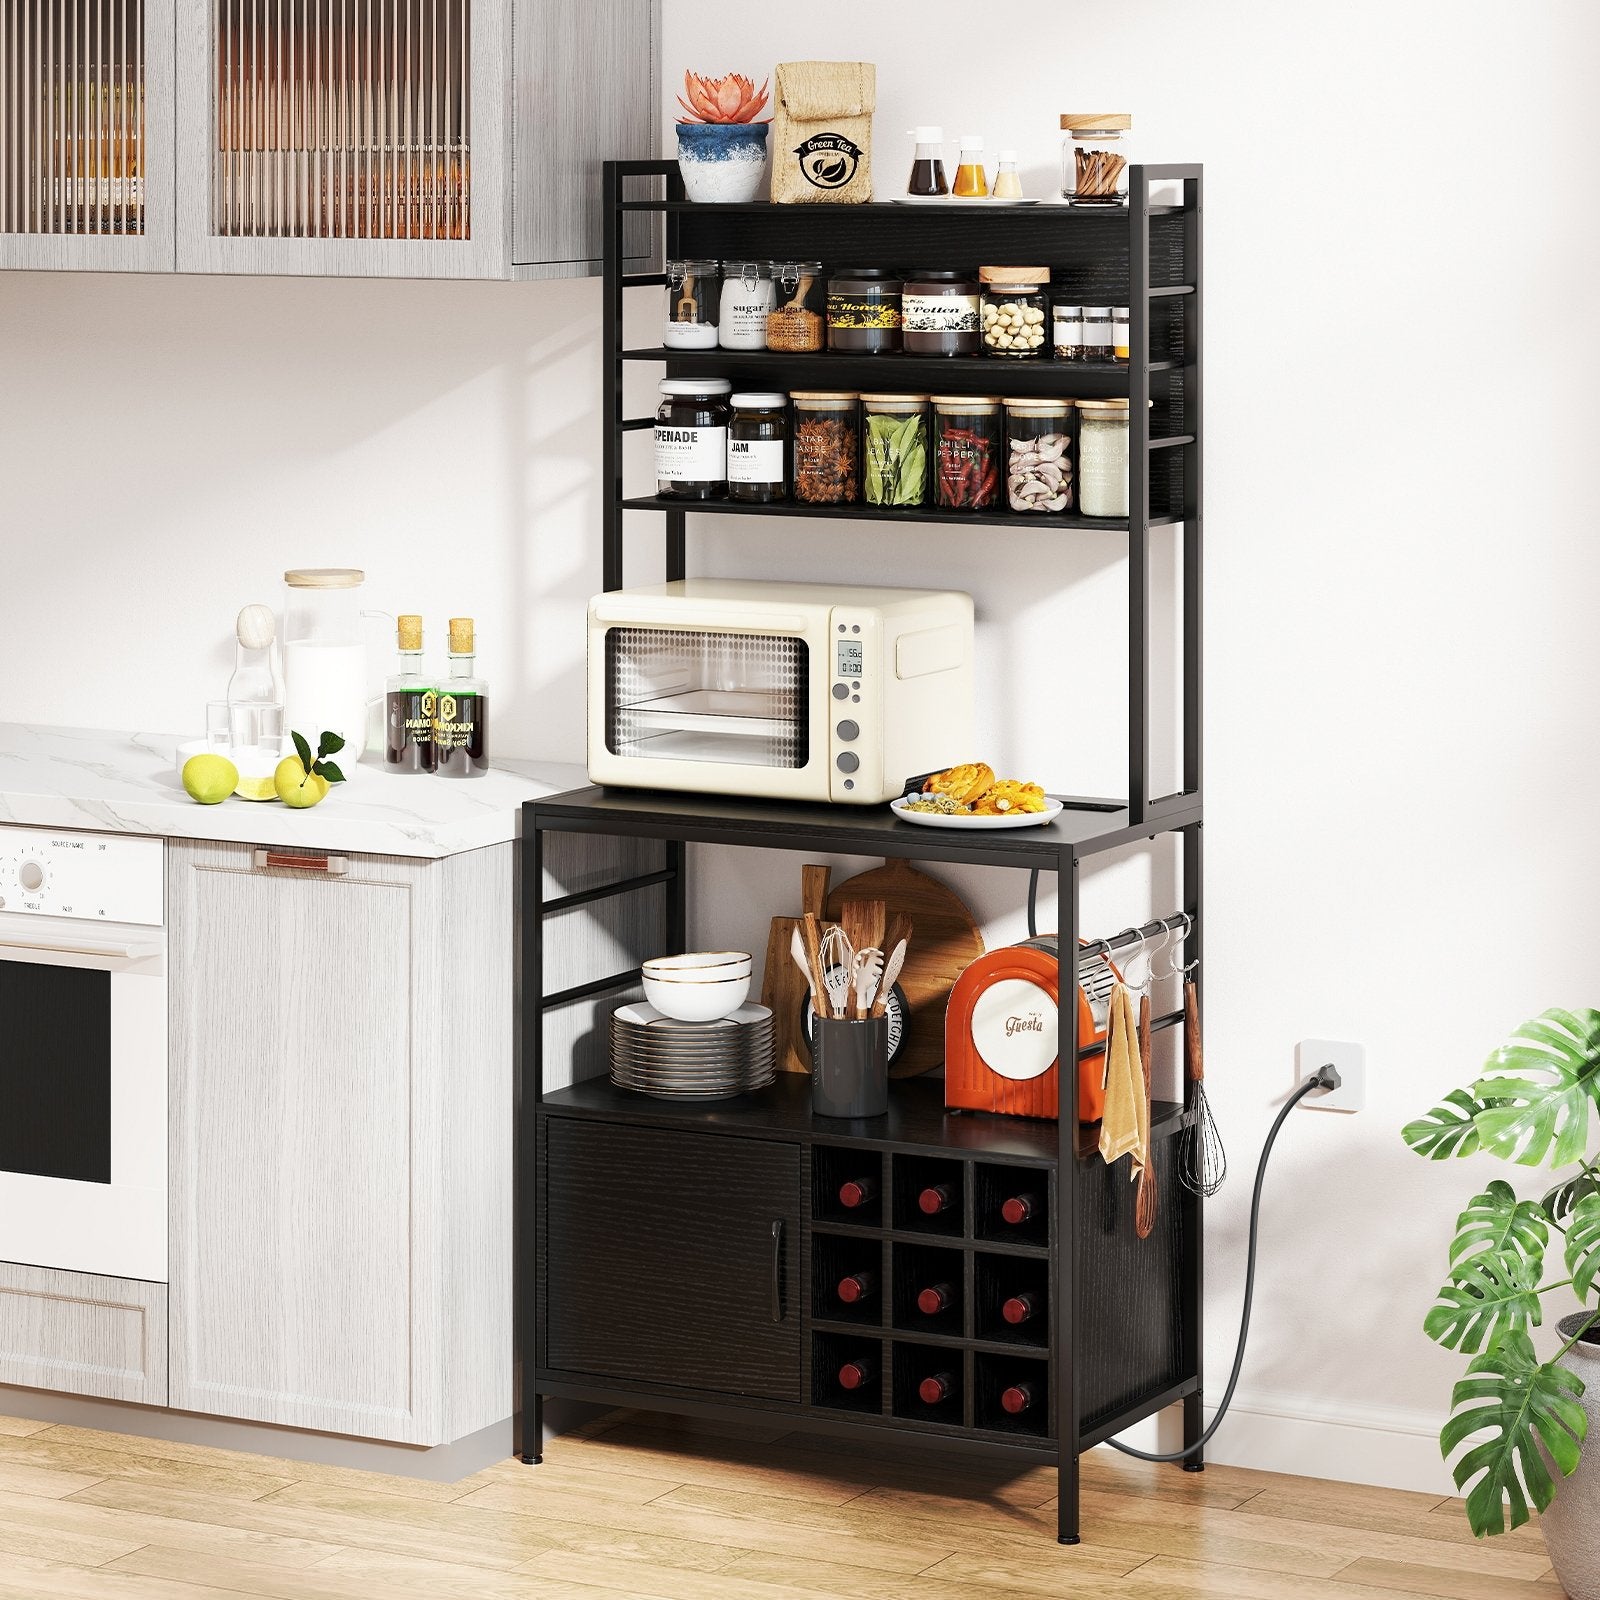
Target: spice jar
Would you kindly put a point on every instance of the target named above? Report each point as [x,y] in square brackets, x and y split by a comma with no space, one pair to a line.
[795,321]
[1097,333]
[691,438]
[692,305]
[827,447]
[1119,335]
[939,313]
[1094,157]
[1066,331]
[1039,454]
[966,451]
[758,432]
[1103,458]
[1015,302]
[864,311]
[747,297]
[894,442]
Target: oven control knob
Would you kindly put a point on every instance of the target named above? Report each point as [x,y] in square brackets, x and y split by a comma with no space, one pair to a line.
[848,762]
[841,691]
[848,730]
[31,876]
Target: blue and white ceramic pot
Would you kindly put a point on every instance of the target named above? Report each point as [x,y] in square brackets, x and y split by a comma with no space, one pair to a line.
[722,161]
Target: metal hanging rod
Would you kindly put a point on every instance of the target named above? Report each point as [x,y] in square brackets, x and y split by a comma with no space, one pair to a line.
[1144,933]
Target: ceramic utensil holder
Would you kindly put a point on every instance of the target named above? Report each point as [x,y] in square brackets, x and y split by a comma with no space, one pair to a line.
[850,1067]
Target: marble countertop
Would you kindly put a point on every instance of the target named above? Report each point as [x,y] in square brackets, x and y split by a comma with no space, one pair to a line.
[128,783]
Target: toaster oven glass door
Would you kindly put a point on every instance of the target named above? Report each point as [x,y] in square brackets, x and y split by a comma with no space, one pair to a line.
[694,695]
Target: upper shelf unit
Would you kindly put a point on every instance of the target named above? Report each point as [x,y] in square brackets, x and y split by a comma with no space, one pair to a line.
[380,138]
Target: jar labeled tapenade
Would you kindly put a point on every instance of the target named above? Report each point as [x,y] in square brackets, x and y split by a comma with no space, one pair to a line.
[827,447]
[864,311]
[939,313]
[691,438]
[758,434]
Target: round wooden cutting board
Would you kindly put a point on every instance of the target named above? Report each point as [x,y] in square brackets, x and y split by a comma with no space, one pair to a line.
[944,940]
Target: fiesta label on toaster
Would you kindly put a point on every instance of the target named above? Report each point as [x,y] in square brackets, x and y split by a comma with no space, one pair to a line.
[1014,1029]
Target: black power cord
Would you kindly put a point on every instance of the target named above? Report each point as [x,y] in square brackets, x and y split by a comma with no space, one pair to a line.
[1326,1077]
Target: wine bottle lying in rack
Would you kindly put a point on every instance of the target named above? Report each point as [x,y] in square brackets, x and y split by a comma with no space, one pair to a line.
[1017,1399]
[936,1198]
[935,1388]
[1019,1208]
[1021,1308]
[856,1374]
[934,1298]
[857,1192]
[855,1287]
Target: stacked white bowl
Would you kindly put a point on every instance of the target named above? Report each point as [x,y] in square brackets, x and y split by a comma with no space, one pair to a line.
[704,986]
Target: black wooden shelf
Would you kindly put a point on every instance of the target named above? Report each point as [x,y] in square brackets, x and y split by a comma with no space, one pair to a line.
[934,1341]
[1049,522]
[1045,209]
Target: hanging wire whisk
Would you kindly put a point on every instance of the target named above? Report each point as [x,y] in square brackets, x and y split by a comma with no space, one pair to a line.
[1202,1162]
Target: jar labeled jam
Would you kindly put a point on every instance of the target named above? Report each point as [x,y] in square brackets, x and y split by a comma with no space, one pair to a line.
[939,313]
[758,434]
[827,447]
[864,311]
[691,438]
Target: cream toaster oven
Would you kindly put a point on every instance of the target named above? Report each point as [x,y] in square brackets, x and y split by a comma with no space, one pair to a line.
[781,690]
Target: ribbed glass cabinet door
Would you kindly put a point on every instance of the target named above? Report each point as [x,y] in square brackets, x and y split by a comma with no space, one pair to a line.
[86,134]
[344,136]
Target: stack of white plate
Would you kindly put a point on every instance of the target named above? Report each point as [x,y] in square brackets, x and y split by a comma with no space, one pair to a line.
[658,1055]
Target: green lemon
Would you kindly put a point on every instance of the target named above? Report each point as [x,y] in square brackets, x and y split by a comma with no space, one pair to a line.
[210,779]
[295,787]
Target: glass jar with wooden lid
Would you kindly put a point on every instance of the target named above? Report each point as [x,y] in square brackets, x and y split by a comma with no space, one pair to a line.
[1039,465]
[894,444]
[1095,156]
[1015,311]
[1103,458]
[826,446]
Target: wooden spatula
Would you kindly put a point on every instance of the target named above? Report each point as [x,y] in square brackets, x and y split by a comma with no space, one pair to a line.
[1144,1205]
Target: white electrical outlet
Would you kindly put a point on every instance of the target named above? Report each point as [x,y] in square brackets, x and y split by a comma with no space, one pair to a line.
[1349,1060]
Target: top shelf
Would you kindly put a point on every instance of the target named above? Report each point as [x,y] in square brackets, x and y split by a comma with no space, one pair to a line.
[881,208]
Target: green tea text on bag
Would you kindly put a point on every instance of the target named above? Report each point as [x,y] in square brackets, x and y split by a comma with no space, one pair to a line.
[822,133]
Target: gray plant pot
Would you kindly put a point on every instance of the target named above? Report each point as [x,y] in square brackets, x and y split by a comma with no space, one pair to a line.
[1572,1524]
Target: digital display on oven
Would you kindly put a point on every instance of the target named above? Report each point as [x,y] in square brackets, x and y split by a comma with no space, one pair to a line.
[849,658]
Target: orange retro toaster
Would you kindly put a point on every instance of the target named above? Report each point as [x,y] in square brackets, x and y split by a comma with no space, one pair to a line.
[1000,1044]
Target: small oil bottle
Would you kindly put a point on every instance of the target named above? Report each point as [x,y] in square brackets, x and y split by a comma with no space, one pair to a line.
[971,180]
[409,705]
[461,718]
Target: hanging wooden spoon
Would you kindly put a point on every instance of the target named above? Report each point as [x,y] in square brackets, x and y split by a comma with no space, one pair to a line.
[1144,1205]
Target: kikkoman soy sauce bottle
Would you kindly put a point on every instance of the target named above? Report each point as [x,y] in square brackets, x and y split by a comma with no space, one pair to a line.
[410,703]
[461,717]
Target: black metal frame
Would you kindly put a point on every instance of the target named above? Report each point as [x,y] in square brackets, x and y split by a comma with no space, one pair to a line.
[1086,829]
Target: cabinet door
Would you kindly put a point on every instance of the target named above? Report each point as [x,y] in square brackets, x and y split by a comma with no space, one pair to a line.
[305,1277]
[86,135]
[345,137]
[673,1259]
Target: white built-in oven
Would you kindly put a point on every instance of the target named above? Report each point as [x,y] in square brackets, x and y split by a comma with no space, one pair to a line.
[83,1053]
[782,690]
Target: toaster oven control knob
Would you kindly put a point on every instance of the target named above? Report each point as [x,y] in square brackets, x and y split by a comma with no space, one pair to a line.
[848,730]
[31,876]
[849,761]
[841,691]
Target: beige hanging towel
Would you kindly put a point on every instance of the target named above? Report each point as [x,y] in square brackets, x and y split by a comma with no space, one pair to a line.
[822,132]
[1125,1127]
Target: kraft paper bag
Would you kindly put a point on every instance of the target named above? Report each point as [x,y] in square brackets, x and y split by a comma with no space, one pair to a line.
[822,132]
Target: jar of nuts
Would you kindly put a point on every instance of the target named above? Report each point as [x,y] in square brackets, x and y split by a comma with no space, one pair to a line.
[1016,303]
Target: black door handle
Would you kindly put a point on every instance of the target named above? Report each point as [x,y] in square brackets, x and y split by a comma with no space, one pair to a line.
[777,1269]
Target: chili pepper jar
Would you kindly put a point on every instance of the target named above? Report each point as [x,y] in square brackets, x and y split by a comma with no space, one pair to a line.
[758,435]
[864,311]
[966,451]
[799,299]
[747,297]
[1103,458]
[691,438]
[1016,301]
[894,445]
[939,313]
[1095,156]
[693,298]
[1039,454]
[827,447]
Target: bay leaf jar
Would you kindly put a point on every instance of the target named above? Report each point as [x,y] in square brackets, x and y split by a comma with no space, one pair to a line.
[939,313]
[758,435]
[691,439]
[864,311]
[1016,302]
[894,441]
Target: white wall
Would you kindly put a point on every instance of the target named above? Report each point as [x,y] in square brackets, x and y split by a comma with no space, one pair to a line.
[1401,566]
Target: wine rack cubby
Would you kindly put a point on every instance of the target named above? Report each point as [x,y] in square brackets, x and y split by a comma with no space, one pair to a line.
[922,1185]
[930,1294]
[995,1378]
[914,1400]
[1014,1284]
[847,1279]
[998,1186]
[847,1186]
[831,1355]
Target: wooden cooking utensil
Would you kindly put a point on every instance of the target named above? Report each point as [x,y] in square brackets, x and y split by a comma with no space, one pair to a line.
[896,941]
[811,933]
[862,921]
[947,941]
[1144,1205]
[814,889]
[784,991]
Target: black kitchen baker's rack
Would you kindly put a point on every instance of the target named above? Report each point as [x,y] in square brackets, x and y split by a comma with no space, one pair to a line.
[616,1191]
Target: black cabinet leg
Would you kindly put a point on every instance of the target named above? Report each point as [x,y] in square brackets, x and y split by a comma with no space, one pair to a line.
[533,1432]
[1067,1500]
[1194,1424]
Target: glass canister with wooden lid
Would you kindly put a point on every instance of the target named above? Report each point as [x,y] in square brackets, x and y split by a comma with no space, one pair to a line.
[1095,154]
[1015,309]
[826,436]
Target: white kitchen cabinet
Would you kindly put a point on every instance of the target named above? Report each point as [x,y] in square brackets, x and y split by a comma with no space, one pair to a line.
[398,138]
[342,1140]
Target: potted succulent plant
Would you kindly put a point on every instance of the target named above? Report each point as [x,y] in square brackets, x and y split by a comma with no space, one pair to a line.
[1519,1421]
[722,148]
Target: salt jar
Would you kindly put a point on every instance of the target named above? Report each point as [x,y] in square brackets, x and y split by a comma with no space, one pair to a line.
[747,296]
[692,305]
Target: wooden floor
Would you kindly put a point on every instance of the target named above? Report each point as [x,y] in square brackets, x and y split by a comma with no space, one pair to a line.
[641,1506]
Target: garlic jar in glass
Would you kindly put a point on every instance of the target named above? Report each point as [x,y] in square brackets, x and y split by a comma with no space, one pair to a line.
[747,297]
[1095,157]
[693,293]
[1103,458]
[1039,454]
[1016,302]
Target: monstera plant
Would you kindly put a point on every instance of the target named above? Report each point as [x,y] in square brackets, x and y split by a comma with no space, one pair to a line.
[1514,1418]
